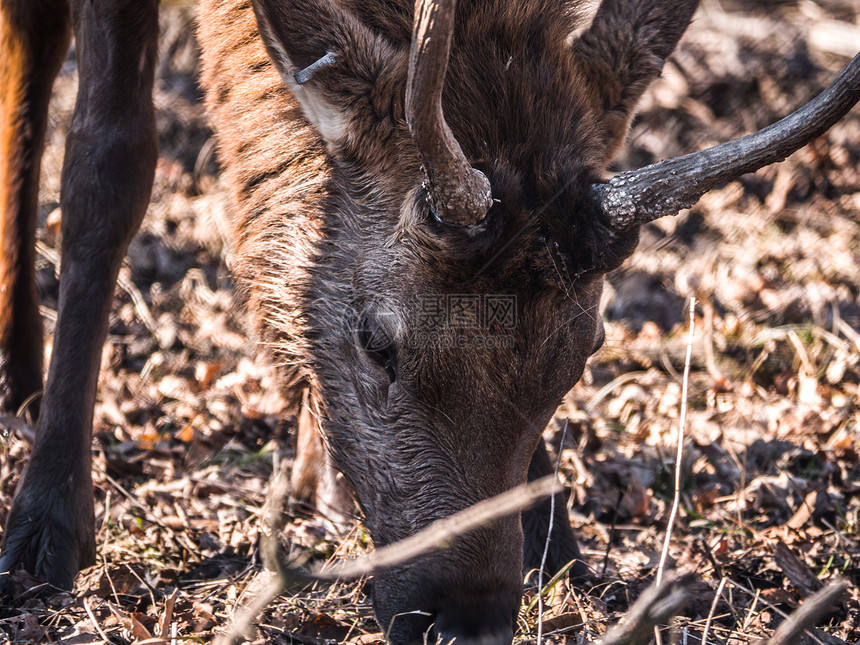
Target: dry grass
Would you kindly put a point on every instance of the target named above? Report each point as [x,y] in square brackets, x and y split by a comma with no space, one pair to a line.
[188,421]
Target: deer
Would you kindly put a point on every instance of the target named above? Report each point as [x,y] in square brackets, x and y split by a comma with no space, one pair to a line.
[423,223]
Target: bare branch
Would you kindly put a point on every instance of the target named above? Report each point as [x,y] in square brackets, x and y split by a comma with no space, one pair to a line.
[657,604]
[286,577]
[459,194]
[679,455]
[808,613]
[548,538]
[441,532]
[713,609]
[289,577]
[664,188]
[24,429]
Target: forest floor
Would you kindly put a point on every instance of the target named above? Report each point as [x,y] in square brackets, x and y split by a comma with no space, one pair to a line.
[189,422]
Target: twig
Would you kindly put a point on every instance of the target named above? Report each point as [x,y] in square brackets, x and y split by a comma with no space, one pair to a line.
[712,610]
[288,577]
[619,498]
[750,592]
[16,424]
[808,613]
[708,337]
[657,604]
[140,306]
[548,535]
[243,620]
[285,577]
[606,390]
[441,532]
[682,422]
[96,625]
[802,354]
[751,610]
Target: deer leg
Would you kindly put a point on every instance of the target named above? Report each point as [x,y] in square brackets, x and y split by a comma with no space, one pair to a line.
[34,38]
[107,177]
[562,547]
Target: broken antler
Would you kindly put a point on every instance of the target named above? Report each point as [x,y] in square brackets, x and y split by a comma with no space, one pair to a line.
[459,194]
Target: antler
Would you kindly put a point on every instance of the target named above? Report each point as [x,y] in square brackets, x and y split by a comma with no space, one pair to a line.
[459,194]
[664,188]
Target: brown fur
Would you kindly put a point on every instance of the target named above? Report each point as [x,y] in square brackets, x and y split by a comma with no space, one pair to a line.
[33,50]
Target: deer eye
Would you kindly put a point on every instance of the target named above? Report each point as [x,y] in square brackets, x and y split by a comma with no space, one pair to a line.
[379,346]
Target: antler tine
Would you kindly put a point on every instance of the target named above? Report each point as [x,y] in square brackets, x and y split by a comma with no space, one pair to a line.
[664,188]
[459,194]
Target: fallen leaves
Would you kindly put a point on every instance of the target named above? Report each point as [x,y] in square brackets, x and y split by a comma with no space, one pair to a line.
[188,422]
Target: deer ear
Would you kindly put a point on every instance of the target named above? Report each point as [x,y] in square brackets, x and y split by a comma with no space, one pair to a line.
[330,61]
[623,50]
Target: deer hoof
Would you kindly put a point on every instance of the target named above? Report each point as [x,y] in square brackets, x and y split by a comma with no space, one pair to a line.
[50,530]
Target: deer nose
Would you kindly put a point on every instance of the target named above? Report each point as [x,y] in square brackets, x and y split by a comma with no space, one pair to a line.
[492,624]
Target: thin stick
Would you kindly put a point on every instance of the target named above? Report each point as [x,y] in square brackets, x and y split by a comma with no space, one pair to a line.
[548,535]
[92,616]
[679,455]
[441,532]
[751,592]
[289,577]
[658,603]
[808,613]
[619,498]
[283,576]
[751,610]
[713,609]
[244,619]
[24,429]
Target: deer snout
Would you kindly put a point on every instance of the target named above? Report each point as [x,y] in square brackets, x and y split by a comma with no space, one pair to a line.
[490,623]
[441,610]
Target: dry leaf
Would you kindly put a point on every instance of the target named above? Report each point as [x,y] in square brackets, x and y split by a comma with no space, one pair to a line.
[797,571]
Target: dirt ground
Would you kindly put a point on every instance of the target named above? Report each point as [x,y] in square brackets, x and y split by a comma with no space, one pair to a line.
[189,422]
